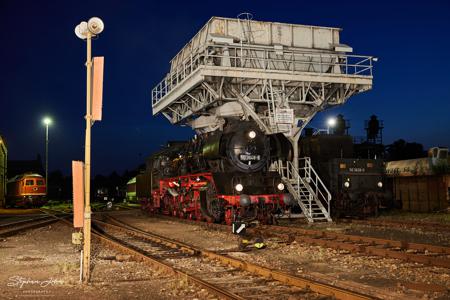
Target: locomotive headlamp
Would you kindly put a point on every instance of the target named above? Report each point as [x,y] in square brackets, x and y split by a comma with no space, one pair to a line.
[380,184]
[347,184]
[280,186]
[239,187]
[252,134]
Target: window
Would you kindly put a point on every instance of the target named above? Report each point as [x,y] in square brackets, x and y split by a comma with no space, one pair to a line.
[40,182]
[29,182]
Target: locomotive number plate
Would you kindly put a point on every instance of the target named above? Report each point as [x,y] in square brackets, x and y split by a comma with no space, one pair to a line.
[357,170]
[247,157]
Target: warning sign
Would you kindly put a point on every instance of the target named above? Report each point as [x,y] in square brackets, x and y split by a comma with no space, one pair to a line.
[284,115]
[285,128]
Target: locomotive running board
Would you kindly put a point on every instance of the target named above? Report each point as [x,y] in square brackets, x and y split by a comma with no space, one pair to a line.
[307,188]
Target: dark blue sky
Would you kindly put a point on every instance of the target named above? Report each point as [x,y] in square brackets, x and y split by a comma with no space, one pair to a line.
[43,73]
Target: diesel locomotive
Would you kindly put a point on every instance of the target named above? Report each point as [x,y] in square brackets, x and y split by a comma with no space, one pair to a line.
[26,190]
[219,176]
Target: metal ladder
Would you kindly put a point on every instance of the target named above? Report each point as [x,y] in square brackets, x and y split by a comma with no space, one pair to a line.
[307,188]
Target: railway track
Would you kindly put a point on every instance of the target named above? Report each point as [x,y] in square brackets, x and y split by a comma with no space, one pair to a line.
[225,276]
[426,254]
[13,228]
[430,226]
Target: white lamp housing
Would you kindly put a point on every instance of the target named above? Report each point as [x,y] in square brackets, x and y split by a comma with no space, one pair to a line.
[95,25]
[81,30]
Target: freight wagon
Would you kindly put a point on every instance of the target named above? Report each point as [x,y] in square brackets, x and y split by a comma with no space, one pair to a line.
[422,184]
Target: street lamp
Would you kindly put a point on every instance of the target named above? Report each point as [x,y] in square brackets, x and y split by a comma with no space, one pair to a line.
[85,31]
[47,122]
[331,122]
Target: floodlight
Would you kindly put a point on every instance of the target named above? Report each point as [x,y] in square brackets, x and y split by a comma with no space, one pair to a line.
[331,122]
[95,25]
[47,121]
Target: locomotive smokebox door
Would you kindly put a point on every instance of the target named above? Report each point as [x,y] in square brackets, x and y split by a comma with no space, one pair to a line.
[238,228]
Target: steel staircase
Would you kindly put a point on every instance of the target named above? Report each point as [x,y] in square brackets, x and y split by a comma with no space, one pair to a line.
[307,188]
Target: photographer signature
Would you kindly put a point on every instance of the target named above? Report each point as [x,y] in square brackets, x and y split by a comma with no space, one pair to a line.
[19,281]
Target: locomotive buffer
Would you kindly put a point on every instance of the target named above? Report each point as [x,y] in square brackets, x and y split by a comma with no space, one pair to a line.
[278,75]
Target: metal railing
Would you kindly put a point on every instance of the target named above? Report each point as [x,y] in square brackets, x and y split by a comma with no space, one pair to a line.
[306,177]
[319,188]
[290,173]
[263,58]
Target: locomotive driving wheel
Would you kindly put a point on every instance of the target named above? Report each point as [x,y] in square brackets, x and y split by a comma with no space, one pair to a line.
[216,206]
[211,207]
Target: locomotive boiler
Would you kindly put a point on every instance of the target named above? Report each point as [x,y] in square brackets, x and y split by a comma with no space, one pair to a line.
[219,176]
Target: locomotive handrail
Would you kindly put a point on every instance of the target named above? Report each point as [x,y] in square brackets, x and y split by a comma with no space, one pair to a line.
[293,174]
[316,179]
[305,184]
[265,58]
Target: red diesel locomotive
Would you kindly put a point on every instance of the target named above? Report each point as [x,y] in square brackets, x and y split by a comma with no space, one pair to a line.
[220,176]
[26,190]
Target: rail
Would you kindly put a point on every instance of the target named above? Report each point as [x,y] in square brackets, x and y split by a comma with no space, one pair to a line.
[23,225]
[235,264]
[263,58]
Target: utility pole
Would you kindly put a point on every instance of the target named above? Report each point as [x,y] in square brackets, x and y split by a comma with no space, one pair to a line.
[87,166]
[85,31]
[47,121]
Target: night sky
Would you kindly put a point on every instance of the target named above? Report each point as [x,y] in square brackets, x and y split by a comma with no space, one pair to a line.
[42,70]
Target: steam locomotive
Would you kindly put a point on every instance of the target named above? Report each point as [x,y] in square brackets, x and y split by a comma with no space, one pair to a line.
[220,176]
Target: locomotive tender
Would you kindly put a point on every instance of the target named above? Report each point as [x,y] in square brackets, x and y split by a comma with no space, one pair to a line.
[358,185]
[219,176]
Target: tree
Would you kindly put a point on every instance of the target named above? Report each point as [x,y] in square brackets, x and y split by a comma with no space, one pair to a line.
[401,149]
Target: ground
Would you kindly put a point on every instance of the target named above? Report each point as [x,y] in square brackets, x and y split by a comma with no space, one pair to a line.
[375,273]
[43,263]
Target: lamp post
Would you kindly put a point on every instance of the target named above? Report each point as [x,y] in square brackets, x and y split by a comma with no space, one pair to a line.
[47,121]
[85,31]
[331,122]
